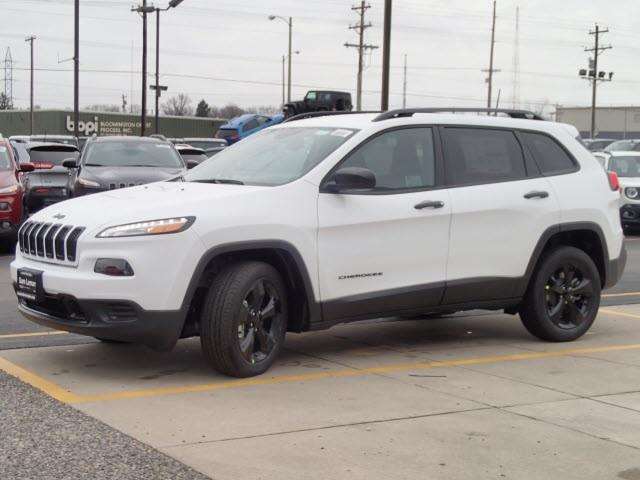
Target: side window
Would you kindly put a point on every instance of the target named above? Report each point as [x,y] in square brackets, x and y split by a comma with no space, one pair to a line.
[476,155]
[400,159]
[549,156]
[250,125]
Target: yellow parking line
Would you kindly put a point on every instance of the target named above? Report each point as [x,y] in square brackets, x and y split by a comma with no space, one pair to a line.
[230,384]
[627,294]
[32,334]
[615,312]
[50,388]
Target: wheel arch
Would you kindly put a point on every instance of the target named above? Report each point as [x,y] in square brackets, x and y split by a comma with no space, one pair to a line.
[587,236]
[283,256]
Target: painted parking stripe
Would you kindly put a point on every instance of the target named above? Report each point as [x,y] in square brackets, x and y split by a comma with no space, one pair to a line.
[621,314]
[626,294]
[59,393]
[32,334]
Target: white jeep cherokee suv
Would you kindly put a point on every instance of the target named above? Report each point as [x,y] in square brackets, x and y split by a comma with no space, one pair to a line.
[332,219]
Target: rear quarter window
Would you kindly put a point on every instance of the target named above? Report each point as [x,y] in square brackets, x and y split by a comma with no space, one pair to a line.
[549,155]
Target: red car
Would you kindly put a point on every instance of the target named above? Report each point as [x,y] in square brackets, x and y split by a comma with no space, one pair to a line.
[11,191]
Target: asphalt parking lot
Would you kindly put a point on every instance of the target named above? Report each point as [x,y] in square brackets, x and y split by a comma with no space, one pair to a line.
[471,396]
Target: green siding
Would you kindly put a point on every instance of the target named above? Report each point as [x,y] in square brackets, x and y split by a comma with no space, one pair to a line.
[60,122]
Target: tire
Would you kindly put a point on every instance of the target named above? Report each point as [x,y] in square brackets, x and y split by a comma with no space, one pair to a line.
[563,296]
[243,325]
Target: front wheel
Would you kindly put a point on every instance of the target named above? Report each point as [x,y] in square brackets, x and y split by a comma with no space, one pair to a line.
[563,296]
[244,319]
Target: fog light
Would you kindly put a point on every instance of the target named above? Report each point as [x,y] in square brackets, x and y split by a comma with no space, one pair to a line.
[6,225]
[4,206]
[114,267]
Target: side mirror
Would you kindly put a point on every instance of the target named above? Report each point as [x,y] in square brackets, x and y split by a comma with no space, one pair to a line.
[27,167]
[70,163]
[192,163]
[352,178]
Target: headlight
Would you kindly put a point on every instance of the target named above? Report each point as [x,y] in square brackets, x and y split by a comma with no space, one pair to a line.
[88,183]
[151,227]
[8,190]
[631,192]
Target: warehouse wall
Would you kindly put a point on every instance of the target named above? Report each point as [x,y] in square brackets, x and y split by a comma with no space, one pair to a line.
[611,122]
[60,122]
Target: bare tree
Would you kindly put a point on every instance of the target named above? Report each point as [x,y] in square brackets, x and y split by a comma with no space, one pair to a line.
[5,104]
[230,110]
[179,106]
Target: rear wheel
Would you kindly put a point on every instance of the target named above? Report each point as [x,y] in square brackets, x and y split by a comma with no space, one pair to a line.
[244,319]
[563,296]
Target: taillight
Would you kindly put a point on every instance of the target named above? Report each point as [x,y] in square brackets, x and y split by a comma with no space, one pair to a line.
[614,183]
[41,190]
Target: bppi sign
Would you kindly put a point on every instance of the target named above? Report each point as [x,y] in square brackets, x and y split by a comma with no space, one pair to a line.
[84,128]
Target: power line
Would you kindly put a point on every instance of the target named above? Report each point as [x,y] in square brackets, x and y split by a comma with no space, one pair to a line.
[361,46]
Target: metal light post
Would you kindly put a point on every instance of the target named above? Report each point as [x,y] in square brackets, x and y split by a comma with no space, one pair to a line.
[284,58]
[144,9]
[289,22]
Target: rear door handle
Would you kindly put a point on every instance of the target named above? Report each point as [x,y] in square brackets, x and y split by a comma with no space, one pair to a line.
[531,195]
[429,204]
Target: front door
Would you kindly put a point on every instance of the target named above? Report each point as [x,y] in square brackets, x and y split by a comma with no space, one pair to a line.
[384,250]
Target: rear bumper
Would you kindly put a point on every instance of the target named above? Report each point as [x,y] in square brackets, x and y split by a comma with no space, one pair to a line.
[615,268]
[630,215]
[110,319]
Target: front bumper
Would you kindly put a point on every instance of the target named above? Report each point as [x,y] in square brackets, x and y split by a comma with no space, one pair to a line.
[110,319]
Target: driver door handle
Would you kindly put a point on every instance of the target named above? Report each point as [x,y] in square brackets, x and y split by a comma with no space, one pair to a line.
[531,195]
[429,204]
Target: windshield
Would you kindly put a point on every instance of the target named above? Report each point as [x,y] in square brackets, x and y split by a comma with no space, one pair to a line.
[198,157]
[51,156]
[5,161]
[273,156]
[625,166]
[624,146]
[132,154]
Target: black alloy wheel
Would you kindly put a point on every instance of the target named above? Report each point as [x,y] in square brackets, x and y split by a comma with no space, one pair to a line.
[563,295]
[568,295]
[260,322]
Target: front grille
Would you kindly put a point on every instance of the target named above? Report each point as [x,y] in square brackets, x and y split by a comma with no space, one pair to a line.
[114,186]
[55,243]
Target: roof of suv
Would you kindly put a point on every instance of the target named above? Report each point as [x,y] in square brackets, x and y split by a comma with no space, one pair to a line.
[123,138]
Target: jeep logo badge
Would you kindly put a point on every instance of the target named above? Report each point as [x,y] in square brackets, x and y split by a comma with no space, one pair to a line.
[59,216]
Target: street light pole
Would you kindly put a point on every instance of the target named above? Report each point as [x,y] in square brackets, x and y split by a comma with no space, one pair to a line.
[144,10]
[289,22]
[76,70]
[290,55]
[30,40]
[283,81]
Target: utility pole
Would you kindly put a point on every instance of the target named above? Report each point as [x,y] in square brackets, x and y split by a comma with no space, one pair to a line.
[404,83]
[593,75]
[283,79]
[124,103]
[491,70]
[386,55]
[361,46]
[30,40]
[76,70]
[515,98]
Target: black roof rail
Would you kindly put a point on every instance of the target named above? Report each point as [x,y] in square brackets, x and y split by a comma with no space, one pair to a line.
[408,112]
[324,113]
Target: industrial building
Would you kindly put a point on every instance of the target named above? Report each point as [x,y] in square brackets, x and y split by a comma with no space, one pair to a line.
[611,122]
[60,122]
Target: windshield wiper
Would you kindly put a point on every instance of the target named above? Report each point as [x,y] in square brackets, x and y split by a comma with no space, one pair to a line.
[220,181]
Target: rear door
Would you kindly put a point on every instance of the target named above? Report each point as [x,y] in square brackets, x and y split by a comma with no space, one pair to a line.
[385,250]
[500,207]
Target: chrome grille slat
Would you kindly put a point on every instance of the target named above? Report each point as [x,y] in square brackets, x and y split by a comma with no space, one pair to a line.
[50,242]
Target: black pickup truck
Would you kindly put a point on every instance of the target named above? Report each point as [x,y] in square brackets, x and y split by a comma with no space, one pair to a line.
[319,101]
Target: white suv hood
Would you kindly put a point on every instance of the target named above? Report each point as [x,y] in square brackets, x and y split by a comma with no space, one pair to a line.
[147,202]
